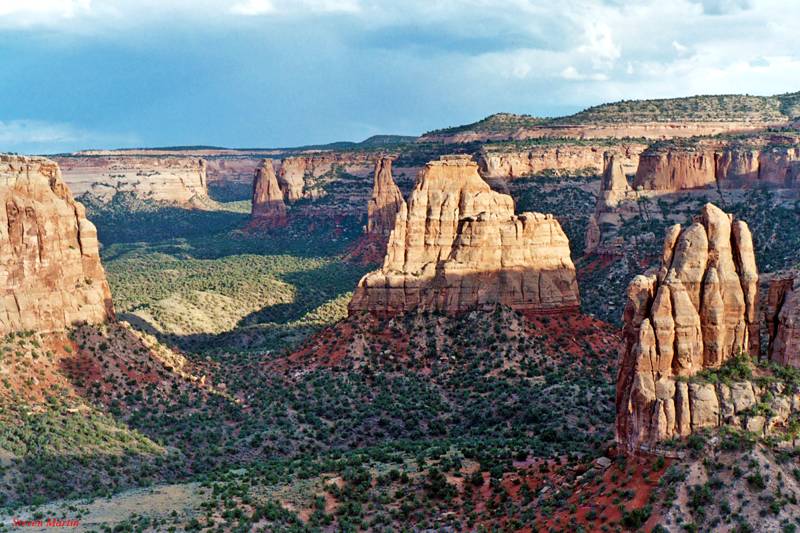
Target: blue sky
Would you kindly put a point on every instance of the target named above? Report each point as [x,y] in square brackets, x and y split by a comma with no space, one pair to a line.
[261,73]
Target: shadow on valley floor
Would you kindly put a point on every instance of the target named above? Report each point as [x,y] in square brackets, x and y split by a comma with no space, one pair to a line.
[320,299]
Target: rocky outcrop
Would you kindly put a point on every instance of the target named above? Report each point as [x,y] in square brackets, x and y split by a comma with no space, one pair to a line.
[561,158]
[696,312]
[268,207]
[457,245]
[299,176]
[174,180]
[782,316]
[386,200]
[675,169]
[51,276]
[614,189]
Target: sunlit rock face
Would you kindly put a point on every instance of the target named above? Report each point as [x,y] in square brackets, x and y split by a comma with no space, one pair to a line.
[51,275]
[696,312]
[457,245]
[268,207]
[177,180]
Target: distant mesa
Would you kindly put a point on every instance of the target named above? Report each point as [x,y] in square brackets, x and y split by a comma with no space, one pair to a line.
[268,207]
[51,274]
[457,245]
[175,180]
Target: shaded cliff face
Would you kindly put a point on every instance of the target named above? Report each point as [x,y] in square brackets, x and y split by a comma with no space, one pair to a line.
[179,181]
[51,276]
[386,200]
[697,312]
[772,161]
[782,316]
[457,245]
[268,207]
[564,158]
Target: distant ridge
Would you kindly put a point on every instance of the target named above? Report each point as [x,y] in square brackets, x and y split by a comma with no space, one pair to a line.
[702,108]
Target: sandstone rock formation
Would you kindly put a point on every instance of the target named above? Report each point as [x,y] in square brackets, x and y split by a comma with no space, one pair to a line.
[163,179]
[782,316]
[698,311]
[51,276]
[268,207]
[675,169]
[614,188]
[298,175]
[458,245]
[386,200]
[564,157]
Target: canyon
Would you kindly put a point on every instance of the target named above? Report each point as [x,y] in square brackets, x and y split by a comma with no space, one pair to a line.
[52,277]
[457,245]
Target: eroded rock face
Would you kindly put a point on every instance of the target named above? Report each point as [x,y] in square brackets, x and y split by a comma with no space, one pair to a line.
[614,189]
[458,245]
[175,180]
[568,158]
[386,200]
[268,207]
[783,319]
[696,312]
[298,174]
[674,169]
[51,276]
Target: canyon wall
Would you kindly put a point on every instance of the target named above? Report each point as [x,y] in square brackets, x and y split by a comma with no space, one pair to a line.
[782,316]
[695,313]
[562,158]
[771,161]
[457,245]
[268,208]
[299,176]
[51,275]
[174,180]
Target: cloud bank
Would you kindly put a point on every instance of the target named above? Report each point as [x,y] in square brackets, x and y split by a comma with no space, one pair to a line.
[287,72]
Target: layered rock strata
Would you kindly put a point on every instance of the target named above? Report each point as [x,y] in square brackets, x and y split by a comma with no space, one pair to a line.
[386,200]
[696,312]
[268,207]
[561,158]
[51,275]
[457,245]
[163,179]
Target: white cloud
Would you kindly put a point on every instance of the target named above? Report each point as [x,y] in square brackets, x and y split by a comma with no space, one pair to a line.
[253,7]
[681,49]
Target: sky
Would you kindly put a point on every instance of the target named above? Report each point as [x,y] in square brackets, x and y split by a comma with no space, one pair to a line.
[77,74]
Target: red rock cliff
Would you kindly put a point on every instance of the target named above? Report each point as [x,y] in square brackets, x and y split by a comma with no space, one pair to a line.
[386,200]
[268,206]
[458,245]
[51,276]
[783,319]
